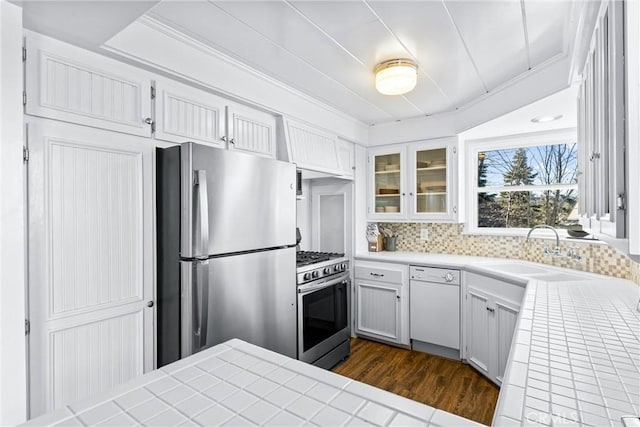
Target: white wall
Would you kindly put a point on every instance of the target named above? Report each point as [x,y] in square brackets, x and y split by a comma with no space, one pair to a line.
[303,215]
[360,201]
[13,395]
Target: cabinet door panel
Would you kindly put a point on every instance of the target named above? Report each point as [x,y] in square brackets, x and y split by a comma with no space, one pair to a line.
[70,84]
[478,332]
[90,261]
[345,152]
[378,309]
[506,315]
[387,168]
[311,148]
[185,114]
[251,130]
[432,180]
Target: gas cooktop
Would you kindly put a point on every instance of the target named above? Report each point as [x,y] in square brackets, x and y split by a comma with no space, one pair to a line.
[309,257]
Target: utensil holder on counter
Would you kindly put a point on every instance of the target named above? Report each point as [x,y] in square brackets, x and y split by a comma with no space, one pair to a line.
[390,244]
[377,246]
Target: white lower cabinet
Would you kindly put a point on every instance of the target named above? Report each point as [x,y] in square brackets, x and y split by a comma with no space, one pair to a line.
[382,301]
[491,310]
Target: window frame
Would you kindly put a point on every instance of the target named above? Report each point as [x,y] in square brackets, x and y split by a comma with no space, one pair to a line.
[475,146]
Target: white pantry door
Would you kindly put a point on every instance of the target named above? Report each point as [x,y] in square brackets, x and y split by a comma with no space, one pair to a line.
[91,221]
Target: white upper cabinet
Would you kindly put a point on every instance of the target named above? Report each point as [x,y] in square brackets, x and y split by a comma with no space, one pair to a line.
[387,188]
[432,181]
[251,130]
[345,151]
[184,113]
[317,150]
[70,84]
[414,181]
[601,128]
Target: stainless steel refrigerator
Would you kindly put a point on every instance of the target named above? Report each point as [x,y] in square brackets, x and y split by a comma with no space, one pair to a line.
[226,233]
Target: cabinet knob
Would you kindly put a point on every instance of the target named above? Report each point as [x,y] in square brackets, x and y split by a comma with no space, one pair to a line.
[150,304]
[148,121]
[232,141]
[223,138]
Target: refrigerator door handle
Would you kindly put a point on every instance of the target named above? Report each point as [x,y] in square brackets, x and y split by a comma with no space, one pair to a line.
[202,244]
[194,306]
[201,303]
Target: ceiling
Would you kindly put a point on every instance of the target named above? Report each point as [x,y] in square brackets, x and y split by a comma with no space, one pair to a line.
[328,49]
[465,50]
[517,122]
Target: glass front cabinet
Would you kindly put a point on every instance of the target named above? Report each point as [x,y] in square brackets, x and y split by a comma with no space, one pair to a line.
[414,181]
[387,178]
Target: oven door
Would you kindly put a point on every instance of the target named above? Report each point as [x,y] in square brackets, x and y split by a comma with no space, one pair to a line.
[323,317]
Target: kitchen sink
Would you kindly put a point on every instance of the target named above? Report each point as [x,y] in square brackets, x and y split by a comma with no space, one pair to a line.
[517,269]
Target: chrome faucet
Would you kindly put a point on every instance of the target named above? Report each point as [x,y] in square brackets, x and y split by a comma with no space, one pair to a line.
[546,249]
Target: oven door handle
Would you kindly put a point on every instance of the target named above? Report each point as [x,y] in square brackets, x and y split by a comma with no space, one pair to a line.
[305,289]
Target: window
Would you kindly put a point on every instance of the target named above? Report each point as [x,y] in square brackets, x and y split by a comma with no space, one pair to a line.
[522,181]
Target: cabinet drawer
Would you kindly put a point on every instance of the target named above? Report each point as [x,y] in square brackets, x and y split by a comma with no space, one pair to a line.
[380,274]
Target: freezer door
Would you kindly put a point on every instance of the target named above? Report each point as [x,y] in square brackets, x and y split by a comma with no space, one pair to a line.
[234,202]
[249,296]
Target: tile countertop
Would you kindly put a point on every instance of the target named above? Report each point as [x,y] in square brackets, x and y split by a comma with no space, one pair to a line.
[236,383]
[575,356]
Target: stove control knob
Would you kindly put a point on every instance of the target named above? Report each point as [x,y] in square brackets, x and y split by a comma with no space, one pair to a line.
[336,268]
[315,274]
[343,267]
[326,270]
[306,276]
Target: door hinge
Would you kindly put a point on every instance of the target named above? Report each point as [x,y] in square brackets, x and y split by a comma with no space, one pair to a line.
[24,98]
[153,92]
[620,202]
[25,154]
[24,53]
[27,327]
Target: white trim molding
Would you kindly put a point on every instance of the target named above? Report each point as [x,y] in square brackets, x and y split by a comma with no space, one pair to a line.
[13,373]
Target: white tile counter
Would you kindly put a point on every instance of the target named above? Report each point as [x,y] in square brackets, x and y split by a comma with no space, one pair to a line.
[238,384]
[575,357]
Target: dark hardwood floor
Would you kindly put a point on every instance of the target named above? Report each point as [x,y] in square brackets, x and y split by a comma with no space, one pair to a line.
[437,381]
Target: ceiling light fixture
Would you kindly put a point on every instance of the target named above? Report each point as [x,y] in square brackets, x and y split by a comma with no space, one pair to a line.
[545,119]
[396,77]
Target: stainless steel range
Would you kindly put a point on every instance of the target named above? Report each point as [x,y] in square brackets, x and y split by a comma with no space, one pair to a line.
[324,290]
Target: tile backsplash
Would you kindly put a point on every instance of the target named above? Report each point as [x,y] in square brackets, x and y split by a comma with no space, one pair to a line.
[597,257]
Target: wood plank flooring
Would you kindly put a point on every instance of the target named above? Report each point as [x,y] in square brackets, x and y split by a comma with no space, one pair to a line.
[437,381]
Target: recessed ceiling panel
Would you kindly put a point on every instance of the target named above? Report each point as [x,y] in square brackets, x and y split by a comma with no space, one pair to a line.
[425,29]
[494,34]
[213,27]
[547,22]
[299,36]
[336,16]
[371,42]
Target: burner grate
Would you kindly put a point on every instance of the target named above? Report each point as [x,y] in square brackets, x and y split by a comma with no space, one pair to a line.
[309,257]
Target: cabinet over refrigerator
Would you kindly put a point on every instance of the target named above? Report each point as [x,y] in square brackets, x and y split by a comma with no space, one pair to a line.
[226,232]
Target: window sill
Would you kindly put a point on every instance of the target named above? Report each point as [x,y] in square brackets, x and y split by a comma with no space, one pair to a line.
[538,234]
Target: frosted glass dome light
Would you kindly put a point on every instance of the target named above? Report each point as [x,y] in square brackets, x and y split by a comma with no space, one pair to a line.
[396,77]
